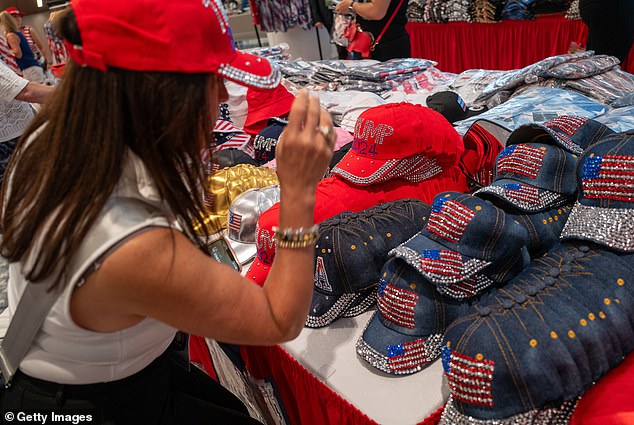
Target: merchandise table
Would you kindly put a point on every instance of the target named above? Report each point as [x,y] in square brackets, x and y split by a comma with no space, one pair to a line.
[321,380]
[458,46]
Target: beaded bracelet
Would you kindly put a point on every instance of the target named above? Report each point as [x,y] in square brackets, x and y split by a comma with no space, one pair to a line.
[295,237]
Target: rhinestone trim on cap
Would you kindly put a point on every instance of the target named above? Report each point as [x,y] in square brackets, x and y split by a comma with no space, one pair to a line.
[467,289]
[415,168]
[552,416]
[611,227]
[545,199]
[367,299]
[343,302]
[563,128]
[267,82]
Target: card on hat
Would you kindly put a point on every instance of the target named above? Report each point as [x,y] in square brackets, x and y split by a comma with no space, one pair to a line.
[533,177]
[452,106]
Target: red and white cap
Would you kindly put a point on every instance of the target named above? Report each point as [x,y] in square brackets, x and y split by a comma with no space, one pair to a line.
[14,11]
[187,36]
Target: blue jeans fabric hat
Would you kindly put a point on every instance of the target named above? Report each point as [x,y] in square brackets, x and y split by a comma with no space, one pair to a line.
[533,177]
[404,335]
[604,211]
[265,141]
[350,252]
[544,338]
[467,244]
[544,228]
[568,132]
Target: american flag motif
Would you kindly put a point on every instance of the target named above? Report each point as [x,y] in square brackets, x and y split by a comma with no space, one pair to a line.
[402,356]
[521,159]
[449,219]
[522,192]
[608,177]
[7,56]
[469,379]
[565,127]
[397,305]
[442,262]
[235,221]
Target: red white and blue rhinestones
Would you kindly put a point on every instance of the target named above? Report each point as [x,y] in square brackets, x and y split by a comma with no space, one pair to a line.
[608,177]
[469,378]
[522,159]
[449,219]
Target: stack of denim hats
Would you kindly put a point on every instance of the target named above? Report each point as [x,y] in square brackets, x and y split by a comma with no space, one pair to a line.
[528,351]
[349,254]
[466,246]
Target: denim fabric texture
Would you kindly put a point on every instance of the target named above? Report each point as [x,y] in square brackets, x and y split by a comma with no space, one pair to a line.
[466,245]
[404,335]
[544,338]
[544,228]
[350,252]
[533,177]
[604,211]
[569,132]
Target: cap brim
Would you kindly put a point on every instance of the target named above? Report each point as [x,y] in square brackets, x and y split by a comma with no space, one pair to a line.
[252,71]
[604,226]
[410,252]
[245,252]
[326,307]
[526,198]
[396,353]
[363,171]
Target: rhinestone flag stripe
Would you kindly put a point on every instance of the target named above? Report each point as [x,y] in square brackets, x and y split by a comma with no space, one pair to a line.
[397,305]
[522,193]
[443,262]
[564,128]
[467,288]
[470,379]
[521,159]
[547,199]
[609,177]
[400,356]
[235,220]
[449,219]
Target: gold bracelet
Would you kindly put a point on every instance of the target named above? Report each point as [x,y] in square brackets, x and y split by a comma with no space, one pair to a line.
[295,237]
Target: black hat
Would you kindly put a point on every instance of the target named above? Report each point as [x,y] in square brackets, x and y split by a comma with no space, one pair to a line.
[452,106]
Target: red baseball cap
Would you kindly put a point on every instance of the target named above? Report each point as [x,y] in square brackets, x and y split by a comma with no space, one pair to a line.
[399,140]
[187,36]
[14,11]
[264,105]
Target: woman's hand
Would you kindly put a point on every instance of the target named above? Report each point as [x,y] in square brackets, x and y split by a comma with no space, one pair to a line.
[343,7]
[305,147]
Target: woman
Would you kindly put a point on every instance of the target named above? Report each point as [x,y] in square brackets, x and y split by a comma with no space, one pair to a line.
[24,56]
[610,26]
[101,201]
[374,17]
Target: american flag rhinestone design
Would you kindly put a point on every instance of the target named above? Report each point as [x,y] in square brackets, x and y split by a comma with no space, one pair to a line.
[397,305]
[469,379]
[235,220]
[564,128]
[608,177]
[442,262]
[522,193]
[521,159]
[401,356]
[449,219]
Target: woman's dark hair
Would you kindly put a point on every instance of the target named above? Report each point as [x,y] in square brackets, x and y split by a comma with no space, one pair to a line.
[71,157]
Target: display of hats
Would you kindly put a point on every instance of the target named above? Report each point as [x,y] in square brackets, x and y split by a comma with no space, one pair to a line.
[530,350]
[451,106]
[568,132]
[544,228]
[483,141]
[243,218]
[224,185]
[467,245]
[350,251]
[264,105]
[604,211]
[399,140]
[405,334]
[533,177]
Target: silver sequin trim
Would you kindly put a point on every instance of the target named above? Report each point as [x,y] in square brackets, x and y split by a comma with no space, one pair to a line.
[361,306]
[342,303]
[547,199]
[552,416]
[416,168]
[612,227]
[268,82]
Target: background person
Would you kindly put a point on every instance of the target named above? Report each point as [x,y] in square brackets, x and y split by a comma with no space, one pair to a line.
[104,188]
[29,66]
[35,42]
[610,26]
[373,17]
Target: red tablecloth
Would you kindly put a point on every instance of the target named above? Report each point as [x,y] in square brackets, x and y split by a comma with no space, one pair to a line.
[458,46]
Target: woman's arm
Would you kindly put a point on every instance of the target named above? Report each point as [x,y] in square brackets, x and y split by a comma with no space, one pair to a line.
[372,11]
[14,43]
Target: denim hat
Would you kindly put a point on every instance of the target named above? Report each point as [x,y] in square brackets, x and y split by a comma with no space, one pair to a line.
[467,244]
[569,132]
[405,334]
[265,141]
[243,218]
[533,177]
[350,251]
[604,211]
[544,228]
[537,344]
